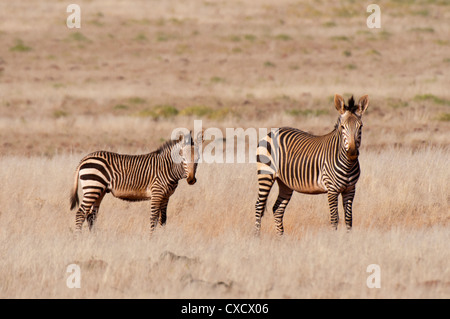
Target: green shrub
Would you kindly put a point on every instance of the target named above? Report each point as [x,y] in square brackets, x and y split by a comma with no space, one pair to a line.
[432,98]
[158,111]
[197,110]
[20,47]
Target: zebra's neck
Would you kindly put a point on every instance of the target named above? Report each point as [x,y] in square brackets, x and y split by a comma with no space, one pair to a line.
[340,154]
[175,171]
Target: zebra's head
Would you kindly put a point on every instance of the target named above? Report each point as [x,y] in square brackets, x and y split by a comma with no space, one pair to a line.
[189,155]
[350,124]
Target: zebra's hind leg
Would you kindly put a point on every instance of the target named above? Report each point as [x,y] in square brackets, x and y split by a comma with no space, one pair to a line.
[333,204]
[265,184]
[92,214]
[284,196]
[79,218]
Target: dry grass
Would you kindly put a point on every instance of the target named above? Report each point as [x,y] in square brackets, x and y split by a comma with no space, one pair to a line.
[207,249]
[133,73]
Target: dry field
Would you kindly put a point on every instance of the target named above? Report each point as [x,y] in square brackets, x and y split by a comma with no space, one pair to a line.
[134,72]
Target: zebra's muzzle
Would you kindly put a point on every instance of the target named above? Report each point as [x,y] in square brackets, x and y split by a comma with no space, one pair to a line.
[192,181]
[352,154]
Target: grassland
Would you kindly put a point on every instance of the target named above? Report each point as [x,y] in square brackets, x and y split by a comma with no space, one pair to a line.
[133,73]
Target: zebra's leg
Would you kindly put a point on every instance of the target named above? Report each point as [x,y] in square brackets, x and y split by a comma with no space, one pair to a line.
[163,215]
[92,215]
[333,204]
[155,211]
[284,196]
[79,218]
[91,197]
[265,183]
[347,201]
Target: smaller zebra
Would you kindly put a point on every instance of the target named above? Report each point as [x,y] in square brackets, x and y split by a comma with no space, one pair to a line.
[153,176]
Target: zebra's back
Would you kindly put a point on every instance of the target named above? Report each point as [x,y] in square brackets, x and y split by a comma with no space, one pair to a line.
[298,159]
[126,176]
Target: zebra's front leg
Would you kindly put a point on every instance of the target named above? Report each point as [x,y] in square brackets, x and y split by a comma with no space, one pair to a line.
[155,209]
[163,215]
[347,201]
[154,214]
[333,203]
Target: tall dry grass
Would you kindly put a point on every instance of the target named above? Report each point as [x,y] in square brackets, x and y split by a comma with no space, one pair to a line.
[259,64]
[207,250]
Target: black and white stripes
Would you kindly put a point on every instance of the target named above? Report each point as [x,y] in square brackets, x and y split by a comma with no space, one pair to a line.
[152,176]
[310,164]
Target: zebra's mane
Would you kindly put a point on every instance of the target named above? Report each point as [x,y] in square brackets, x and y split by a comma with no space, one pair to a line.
[171,143]
[167,145]
[351,106]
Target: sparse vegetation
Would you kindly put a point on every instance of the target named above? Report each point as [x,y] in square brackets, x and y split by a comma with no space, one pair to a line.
[250,37]
[197,110]
[306,112]
[329,24]
[210,240]
[445,117]
[141,37]
[217,79]
[60,113]
[431,98]
[78,37]
[159,111]
[396,103]
[340,38]
[164,37]
[121,107]
[424,29]
[283,37]
[347,53]
[130,76]
[269,64]
[136,100]
[20,47]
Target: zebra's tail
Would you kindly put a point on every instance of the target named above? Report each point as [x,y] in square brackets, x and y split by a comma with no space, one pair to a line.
[74,201]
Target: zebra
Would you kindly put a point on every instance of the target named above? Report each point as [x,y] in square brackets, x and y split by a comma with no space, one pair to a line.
[153,176]
[311,164]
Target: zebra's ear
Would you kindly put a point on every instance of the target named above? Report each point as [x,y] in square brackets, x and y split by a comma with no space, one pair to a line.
[363,104]
[180,137]
[339,103]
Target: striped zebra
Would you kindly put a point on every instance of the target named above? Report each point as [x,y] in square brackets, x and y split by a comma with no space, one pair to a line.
[311,164]
[152,176]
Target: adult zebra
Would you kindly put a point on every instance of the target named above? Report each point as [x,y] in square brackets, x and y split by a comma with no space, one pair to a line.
[152,176]
[310,164]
